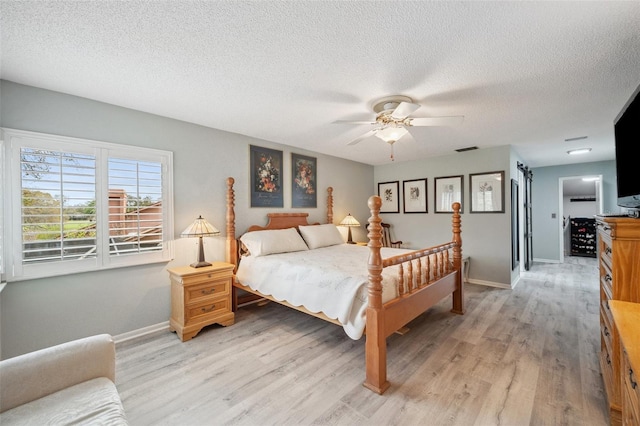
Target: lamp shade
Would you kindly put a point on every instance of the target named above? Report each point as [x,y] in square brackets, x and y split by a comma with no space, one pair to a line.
[200,228]
[349,221]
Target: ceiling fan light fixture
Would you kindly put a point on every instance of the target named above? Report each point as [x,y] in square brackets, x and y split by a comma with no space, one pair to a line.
[391,134]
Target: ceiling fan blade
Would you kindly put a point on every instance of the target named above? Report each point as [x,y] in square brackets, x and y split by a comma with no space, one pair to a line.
[363,137]
[354,122]
[436,121]
[404,110]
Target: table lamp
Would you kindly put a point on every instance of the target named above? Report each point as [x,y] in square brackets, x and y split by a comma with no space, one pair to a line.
[200,228]
[349,222]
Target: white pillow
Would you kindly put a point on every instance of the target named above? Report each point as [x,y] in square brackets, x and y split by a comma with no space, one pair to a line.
[318,236]
[262,243]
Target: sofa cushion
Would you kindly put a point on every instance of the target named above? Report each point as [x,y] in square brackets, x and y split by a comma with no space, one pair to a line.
[92,402]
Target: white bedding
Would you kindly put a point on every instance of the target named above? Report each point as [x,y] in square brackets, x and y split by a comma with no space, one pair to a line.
[303,278]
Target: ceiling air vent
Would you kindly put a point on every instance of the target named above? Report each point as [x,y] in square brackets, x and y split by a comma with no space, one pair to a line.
[470,148]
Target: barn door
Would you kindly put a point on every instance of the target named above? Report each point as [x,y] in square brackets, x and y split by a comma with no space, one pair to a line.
[527,178]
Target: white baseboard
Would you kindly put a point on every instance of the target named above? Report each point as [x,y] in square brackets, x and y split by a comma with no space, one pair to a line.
[141,332]
[489,283]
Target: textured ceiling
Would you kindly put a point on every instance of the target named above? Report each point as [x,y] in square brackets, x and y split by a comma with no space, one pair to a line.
[529,74]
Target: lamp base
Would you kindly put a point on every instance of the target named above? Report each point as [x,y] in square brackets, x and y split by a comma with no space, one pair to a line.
[351,242]
[199,264]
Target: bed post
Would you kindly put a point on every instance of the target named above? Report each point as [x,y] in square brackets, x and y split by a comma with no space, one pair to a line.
[330,205]
[458,294]
[376,344]
[232,243]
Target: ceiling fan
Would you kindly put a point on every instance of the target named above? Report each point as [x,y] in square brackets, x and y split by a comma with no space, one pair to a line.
[392,119]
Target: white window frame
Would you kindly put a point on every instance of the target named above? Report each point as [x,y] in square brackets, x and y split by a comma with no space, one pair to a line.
[15,140]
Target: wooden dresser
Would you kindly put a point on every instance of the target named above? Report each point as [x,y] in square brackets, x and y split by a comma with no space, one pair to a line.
[200,297]
[626,316]
[619,264]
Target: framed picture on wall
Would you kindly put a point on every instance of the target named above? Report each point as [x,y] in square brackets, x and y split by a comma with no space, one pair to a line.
[487,192]
[265,177]
[448,190]
[303,181]
[414,196]
[388,192]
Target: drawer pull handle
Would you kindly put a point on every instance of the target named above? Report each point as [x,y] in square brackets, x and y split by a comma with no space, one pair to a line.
[607,278]
[607,250]
[205,310]
[606,331]
[634,384]
[608,360]
[207,291]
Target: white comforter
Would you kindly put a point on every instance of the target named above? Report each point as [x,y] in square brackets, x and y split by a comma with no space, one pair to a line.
[332,280]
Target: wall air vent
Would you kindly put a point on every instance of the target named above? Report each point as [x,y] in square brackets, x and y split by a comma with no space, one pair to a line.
[576,199]
[578,138]
[470,148]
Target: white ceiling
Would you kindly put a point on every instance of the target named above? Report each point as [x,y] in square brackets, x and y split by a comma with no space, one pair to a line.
[529,74]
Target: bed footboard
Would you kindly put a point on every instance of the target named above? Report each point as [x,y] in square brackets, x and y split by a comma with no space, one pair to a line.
[424,278]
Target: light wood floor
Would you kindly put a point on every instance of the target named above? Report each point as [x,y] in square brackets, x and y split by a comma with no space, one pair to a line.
[517,357]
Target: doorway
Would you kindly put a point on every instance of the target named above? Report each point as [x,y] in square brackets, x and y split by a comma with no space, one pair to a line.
[579,197]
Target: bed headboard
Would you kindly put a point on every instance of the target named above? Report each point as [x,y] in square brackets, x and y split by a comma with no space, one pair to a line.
[282,221]
[275,221]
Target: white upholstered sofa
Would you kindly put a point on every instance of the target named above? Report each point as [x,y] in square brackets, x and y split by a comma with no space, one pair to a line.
[71,383]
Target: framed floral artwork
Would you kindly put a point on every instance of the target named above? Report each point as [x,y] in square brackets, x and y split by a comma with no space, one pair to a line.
[448,190]
[414,196]
[266,177]
[388,192]
[487,192]
[303,182]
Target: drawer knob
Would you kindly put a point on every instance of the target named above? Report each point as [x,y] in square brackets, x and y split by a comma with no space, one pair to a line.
[608,360]
[606,331]
[633,382]
[207,291]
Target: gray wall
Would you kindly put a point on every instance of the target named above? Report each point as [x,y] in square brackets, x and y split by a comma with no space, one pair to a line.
[545,202]
[43,312]
[486,237]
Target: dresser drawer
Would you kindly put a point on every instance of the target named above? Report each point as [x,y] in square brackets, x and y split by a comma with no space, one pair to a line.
[606,329]
[630,390]
[606,368]
[606,280]
[207,310]
[207,291]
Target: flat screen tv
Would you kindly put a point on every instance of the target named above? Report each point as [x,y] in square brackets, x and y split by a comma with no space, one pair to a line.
[627,138]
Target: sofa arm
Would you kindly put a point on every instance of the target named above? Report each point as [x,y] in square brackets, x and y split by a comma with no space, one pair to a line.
[37,374]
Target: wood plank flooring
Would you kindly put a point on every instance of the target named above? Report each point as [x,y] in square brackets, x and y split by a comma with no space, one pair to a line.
[526,356]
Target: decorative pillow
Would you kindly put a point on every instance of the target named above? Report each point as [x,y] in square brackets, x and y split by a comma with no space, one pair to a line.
[262,243]
[318,236]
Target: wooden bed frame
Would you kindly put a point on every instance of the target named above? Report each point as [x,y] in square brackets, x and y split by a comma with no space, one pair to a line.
[425,277]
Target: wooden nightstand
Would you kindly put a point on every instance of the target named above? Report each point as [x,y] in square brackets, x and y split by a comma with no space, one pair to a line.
[200,297]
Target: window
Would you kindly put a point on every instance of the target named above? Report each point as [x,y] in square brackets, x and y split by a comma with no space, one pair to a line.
[79,205]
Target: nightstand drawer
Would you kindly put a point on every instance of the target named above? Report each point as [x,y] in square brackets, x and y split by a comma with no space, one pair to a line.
[206,291]
[206,277]
[206,310]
